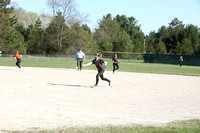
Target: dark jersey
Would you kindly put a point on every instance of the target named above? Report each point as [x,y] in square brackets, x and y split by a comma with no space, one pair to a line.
[181,60]
[99,64]
[115,59]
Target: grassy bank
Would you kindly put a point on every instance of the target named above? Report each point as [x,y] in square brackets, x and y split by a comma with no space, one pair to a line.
[189,126]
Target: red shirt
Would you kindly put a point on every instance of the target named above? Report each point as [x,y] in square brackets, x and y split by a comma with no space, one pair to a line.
[17,56]
[115,59]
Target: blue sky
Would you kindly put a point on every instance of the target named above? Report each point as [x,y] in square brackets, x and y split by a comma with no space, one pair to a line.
[151,14]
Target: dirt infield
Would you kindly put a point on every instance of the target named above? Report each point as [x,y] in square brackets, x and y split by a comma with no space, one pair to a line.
[46,98]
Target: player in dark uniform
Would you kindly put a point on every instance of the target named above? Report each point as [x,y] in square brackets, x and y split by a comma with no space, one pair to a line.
[101,66]
[180,61]
[115,63]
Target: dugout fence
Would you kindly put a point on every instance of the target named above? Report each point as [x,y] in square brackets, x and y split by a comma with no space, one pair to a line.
[126,57]
[172,59]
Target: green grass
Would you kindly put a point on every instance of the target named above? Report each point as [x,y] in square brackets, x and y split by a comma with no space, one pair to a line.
[189,126]
[125,65]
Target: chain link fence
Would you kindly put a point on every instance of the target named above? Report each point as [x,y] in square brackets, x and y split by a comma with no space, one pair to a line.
[66,57]
[42,57]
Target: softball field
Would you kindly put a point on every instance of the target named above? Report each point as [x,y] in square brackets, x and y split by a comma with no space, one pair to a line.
[48,98]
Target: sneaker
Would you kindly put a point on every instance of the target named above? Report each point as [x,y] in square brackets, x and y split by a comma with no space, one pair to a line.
[109,82]
[114,71]
[94,86]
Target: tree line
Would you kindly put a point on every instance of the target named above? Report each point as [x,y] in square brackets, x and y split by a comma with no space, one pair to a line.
[64,32]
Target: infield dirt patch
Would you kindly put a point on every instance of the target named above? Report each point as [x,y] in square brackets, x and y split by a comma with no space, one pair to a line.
[48,98]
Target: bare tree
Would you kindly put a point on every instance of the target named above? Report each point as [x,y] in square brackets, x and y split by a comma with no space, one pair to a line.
[54,4]
[68,10]
[65,9]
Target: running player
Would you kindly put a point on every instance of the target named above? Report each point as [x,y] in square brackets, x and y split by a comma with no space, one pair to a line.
[101,66]
[18,57]
[180,61]
[115,63]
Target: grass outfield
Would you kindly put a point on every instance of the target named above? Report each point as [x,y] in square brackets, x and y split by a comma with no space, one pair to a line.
[125,65]
[189,126]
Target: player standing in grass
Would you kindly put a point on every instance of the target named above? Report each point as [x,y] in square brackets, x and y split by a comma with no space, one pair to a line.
[79,57]
[115,62]
[101,66]
[180,61]
[18,57]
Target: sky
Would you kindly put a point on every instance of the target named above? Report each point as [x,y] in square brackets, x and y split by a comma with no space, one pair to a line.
[150,14]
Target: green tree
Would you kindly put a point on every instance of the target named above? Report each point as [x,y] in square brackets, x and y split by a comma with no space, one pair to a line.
[107,33]
[129,24]
[138,42]
[86,28]
[79,38]
[150,42]
[160,47]
[175,39]
[22,30]
[155,45]
[35,38]
[3,27]
[74,37]
[185,47]
[123,22]
[55,35]
[13,41]
[107,45]
[8,10]
[163,33]
[175,23]
[123,43]
[6,20]
[102,39]
[193,35]
[175,28]
[160,44]
[50,36]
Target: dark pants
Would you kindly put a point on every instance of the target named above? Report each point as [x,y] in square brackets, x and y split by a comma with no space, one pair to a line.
[18,62]
[180,63]
[114,66]
[79,63]
[100,74]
